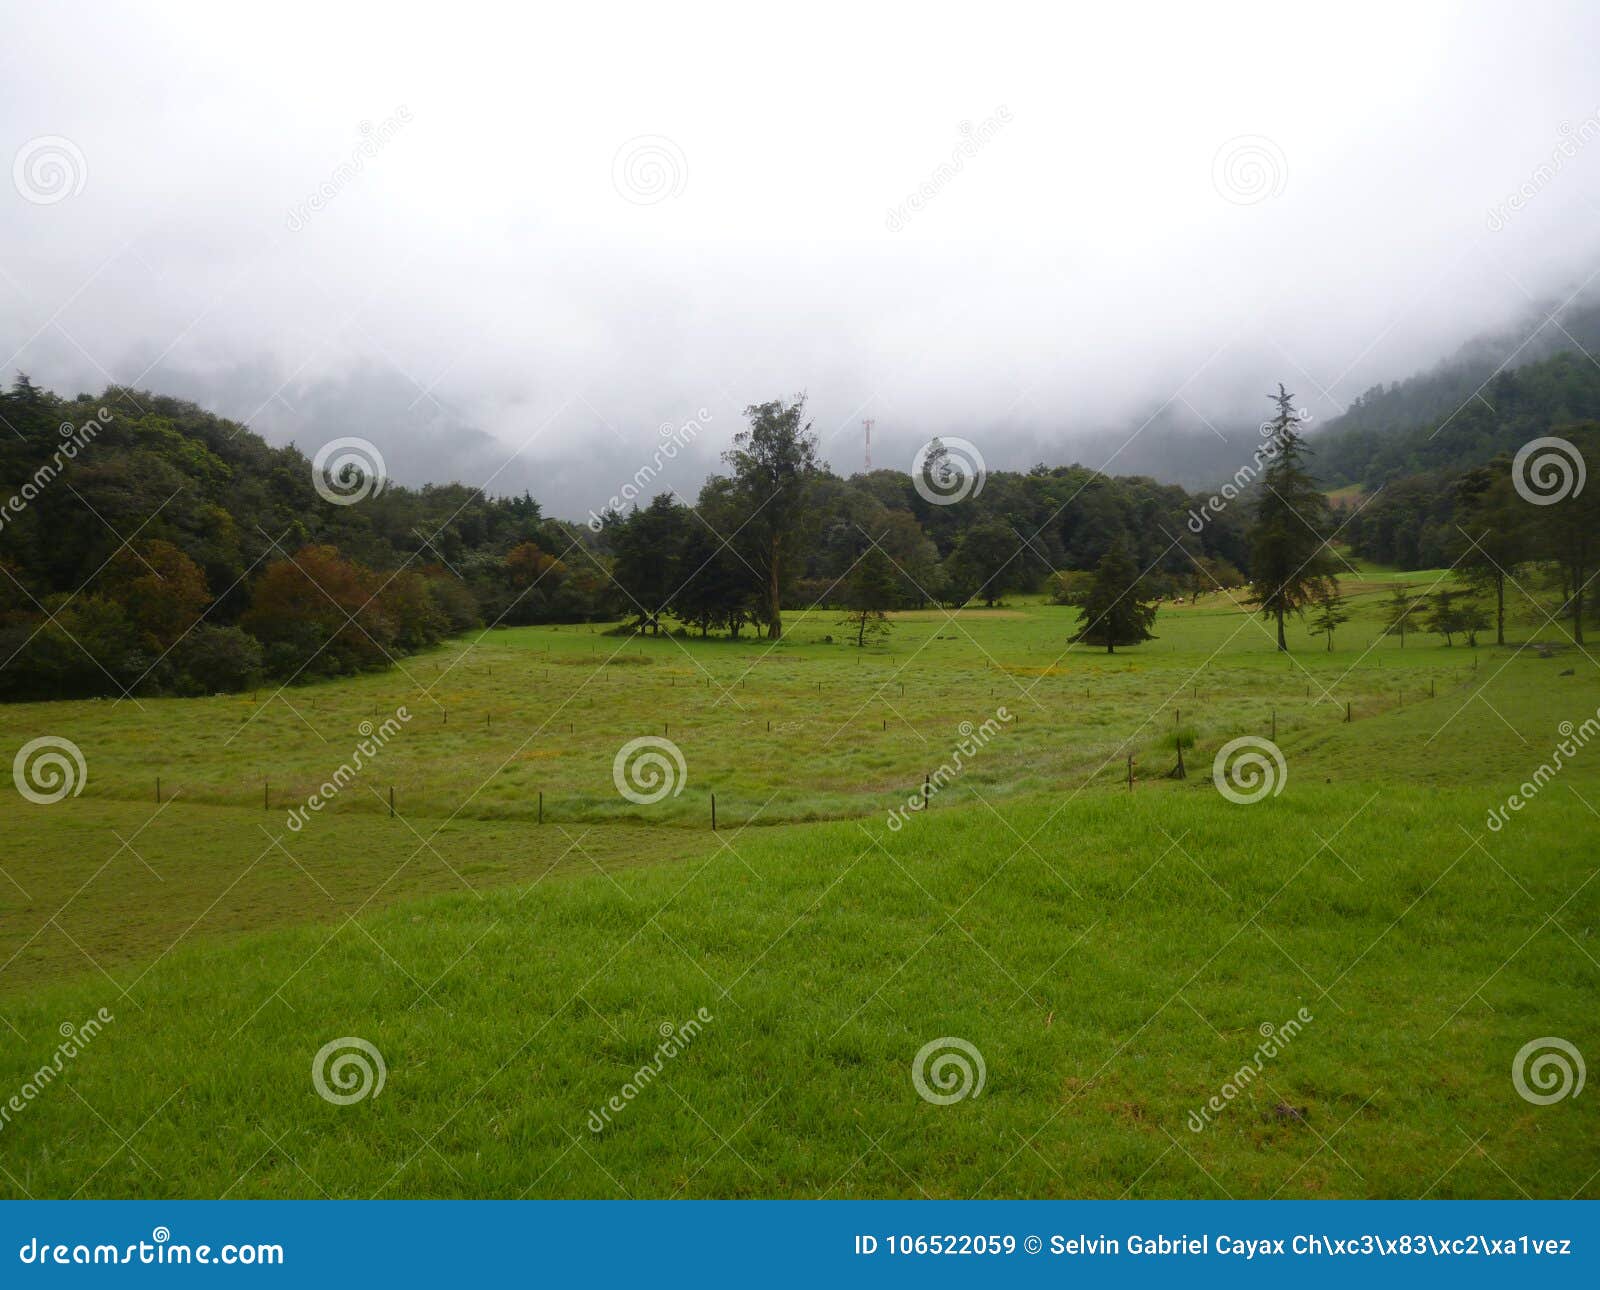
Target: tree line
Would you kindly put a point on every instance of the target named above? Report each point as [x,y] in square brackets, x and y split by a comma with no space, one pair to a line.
[178,552]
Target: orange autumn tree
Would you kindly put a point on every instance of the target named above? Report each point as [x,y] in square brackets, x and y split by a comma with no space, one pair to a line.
[533,578]
[317,612]
[527,565]
[162,591]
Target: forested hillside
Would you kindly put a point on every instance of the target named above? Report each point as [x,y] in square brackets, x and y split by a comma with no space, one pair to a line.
[148,546]
[1414,447]
[1490,397]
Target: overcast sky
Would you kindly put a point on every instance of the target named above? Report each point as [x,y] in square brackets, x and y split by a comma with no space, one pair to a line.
[508,244]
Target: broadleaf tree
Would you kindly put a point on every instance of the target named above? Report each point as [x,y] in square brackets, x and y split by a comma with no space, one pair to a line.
[775,465]
[870,592]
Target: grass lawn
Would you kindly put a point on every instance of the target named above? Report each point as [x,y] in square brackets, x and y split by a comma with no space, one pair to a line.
[1112,955]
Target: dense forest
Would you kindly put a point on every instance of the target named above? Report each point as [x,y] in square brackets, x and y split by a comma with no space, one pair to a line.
[148,546]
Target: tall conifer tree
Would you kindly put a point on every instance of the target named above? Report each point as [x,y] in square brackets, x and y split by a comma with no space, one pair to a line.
[1290,564]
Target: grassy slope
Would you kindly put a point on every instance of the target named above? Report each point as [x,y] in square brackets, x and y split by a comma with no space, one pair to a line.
[1112,954]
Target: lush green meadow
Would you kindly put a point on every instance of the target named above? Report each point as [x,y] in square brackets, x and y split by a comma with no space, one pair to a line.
[812,728]
[1113,953]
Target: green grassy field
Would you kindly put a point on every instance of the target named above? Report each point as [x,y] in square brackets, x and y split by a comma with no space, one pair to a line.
[1113,954]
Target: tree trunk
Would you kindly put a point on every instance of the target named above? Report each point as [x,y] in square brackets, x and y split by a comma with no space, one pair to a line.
[775,624]
[1283,645]
[1499,608]
[1330,642]
[1577,606]
[861,635]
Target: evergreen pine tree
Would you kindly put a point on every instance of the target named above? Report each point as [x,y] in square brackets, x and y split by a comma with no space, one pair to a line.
[1113,612]
[1330,614]
[1398,610]
[1493,532]
[1289,561]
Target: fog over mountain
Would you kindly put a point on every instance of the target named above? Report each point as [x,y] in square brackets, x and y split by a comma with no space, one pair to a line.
[508,246]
